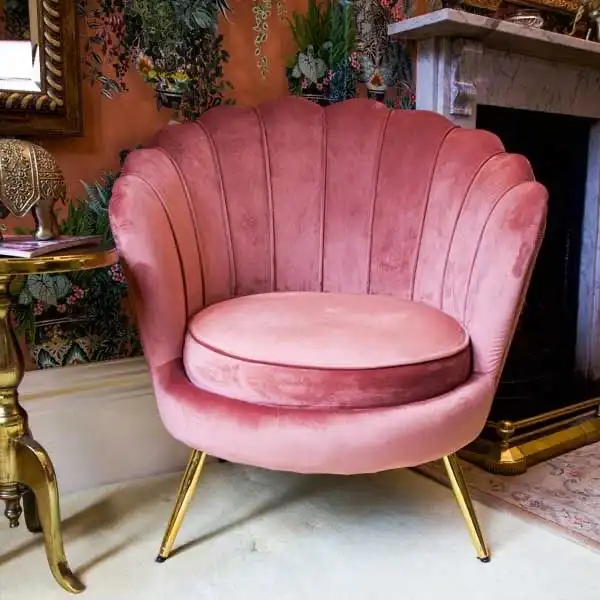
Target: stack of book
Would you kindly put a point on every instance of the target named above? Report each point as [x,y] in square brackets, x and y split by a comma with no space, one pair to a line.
[23,246]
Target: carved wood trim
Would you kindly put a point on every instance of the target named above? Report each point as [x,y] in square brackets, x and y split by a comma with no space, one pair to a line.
[56,109]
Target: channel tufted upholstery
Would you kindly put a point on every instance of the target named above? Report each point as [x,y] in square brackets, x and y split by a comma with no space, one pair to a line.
[352,199]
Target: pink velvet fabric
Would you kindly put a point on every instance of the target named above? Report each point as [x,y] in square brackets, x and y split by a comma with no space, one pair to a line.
[353,198]
[325,350]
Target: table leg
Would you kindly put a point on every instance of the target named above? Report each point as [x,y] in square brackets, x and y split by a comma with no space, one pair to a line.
[30,510]
[35,470]
[25,468]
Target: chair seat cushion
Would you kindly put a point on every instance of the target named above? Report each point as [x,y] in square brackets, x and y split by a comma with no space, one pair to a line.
[325,350]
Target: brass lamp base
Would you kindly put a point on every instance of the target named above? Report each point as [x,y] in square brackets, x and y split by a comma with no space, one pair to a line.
[510,448]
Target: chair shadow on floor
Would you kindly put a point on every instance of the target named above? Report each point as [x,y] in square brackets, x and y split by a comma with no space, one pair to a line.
[306,487]
[102,515]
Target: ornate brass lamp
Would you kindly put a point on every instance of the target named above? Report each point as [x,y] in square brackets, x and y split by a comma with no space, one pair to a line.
[30,180]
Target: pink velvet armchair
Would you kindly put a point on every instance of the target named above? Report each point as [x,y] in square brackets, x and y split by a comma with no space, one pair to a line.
[326,290]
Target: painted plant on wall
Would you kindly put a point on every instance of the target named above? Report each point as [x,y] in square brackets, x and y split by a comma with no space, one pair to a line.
[386,68]
[83,316]
[325,66]
[174,44]
[262,10]
[341,43]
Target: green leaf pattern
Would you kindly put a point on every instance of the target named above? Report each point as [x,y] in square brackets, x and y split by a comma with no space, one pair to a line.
[48,289]
[25,297]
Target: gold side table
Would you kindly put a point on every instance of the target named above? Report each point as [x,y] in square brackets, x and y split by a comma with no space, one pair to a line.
[26,471]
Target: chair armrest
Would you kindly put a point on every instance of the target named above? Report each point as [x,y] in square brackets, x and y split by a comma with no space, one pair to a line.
[153,231]
[500,272]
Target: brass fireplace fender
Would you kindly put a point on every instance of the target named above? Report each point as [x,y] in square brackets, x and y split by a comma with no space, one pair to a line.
[511,447]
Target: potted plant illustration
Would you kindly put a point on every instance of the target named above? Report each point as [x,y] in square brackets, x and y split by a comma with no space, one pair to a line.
[174,44]
[325,66]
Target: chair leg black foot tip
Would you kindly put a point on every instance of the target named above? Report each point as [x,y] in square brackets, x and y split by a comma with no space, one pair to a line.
[485,559]
[160,559]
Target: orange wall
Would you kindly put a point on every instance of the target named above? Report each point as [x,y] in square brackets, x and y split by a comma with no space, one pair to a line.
[111,125]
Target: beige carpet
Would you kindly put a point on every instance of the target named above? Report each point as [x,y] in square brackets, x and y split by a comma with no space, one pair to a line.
[562,493]
[253,534]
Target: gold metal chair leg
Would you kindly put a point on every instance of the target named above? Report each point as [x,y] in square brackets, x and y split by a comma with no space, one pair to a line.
[35,470]
[187,488]
[461,492]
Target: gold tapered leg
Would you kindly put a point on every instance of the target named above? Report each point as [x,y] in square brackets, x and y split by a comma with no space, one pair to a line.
[461,492]
[35,470]
[184,497]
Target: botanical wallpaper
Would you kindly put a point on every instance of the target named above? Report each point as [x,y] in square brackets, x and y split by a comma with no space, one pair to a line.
[87,316]
[380,56]
[83,316]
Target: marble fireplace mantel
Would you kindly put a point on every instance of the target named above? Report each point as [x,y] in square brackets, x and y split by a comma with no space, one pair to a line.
[465,60]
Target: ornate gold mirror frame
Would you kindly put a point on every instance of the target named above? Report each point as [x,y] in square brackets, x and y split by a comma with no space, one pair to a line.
[56,107]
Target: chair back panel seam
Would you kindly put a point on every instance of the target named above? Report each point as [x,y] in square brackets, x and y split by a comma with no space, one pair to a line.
[432,170]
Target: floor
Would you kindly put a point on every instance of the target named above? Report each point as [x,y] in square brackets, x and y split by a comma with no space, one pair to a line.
[254,534]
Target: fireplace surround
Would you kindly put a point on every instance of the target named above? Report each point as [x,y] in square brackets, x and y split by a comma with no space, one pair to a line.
[510,79]
[540,374]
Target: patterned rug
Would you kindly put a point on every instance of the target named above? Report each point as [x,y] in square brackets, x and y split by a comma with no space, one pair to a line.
[563,493]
